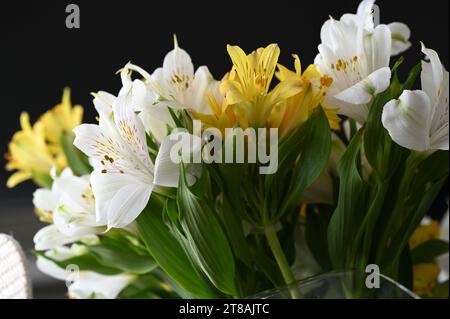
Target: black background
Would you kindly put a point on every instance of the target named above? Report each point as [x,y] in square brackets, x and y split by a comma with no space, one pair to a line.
[39,55]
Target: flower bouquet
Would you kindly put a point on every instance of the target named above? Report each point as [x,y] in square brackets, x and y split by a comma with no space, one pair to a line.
[189,187]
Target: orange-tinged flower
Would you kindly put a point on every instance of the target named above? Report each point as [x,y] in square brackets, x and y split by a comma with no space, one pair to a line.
[312,87]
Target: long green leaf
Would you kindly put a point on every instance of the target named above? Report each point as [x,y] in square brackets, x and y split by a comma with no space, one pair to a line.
[205,234]
[429,250]
[87,261]
[347,217]
[116,253]
[168,253]
[316,148]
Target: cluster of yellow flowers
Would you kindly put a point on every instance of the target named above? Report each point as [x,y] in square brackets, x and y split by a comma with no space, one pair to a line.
[250,101]
[36,149]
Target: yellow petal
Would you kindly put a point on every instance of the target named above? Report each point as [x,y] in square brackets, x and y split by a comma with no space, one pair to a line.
[16,178]
[425,278]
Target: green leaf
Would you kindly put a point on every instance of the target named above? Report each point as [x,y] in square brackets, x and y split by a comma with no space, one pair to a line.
[87,261]
[175,118]
[405,272]
[440,291]
[429,250]
[270,268]
[316,229]
[315,152]
[77,161]
[168,253]
[205,234]
[228,178]
[415,71]
[410,223]
[42,180]
[350,209]
[147,287]
[113,252]
[431,169]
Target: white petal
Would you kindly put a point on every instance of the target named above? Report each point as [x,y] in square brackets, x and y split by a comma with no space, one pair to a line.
[365,14]
[400,35]
[87,137]
[177,63]
[119,198]
[51,269]
[341,38]
[198,101]
[45,200]
[432,74]
[93,285]
[132,131]
[50,237]
[439,125]
[103,102]
[408,120]
[377,48]
[358,112]
[167,168]
[363,91]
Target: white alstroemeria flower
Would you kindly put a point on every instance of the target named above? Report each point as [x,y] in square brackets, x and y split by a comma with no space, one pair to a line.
[91,285]
[70,203]
[155,116]
[122,180]
[365,15]
[75,213]
[418,120]
[83,284]
[356,55]
[178,86]
[175,148]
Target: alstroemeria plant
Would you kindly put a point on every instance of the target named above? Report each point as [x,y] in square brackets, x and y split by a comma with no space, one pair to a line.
[148,204]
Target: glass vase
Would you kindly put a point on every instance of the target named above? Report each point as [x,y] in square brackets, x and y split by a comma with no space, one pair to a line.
[341,285]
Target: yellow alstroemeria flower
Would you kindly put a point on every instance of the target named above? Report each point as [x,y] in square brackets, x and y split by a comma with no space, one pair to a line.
[222,117]
[425,274]
[34,150]
[247,89]
[62,118]
[297,108]
[425,278]
[29,154]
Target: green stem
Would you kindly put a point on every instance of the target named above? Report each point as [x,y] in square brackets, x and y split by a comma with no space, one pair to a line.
[282,262]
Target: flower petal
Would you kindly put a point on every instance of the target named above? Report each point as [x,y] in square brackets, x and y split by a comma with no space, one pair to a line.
[439,125]
[377,47]
[363,91]
[50,237]
[400,34]
[432,74]
[119,197]
[198,101]
[93,285]
[167,167]
[408,120]
[103,102]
